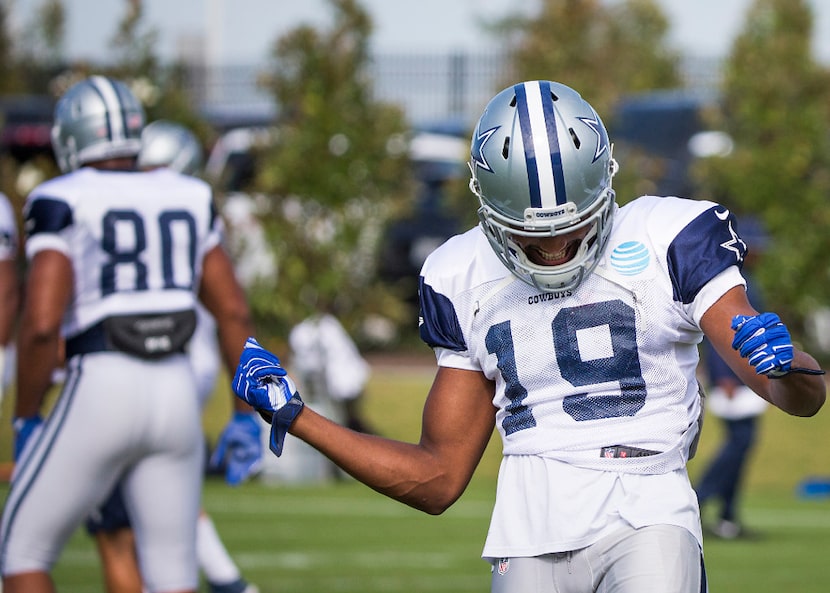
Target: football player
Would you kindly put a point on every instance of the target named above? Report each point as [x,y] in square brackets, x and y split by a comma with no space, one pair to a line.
[117,261]
[169,144]
[572,326]
[9,286]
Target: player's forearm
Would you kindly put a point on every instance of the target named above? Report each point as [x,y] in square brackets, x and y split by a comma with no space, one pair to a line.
[799,394]
[9,302]
[232,336]
[405,472]
[37,358]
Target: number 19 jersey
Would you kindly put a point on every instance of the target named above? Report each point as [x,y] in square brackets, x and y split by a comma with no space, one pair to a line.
[601,377]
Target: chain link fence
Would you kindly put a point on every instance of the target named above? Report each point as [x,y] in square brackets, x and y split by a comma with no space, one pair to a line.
[431,88]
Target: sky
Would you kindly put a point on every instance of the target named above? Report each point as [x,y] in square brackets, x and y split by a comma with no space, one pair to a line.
[243,31]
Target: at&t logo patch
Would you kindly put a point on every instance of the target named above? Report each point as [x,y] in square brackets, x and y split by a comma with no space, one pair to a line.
[630,258]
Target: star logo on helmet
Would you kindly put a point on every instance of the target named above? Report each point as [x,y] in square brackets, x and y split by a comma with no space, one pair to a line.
[602,137]
[477,151]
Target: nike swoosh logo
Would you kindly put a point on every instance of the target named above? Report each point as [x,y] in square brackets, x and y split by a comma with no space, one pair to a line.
[722,215]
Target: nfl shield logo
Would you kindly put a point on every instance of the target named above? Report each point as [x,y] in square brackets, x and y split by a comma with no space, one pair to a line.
[503,565]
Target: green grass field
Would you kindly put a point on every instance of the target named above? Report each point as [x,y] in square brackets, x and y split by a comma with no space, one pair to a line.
[343,537]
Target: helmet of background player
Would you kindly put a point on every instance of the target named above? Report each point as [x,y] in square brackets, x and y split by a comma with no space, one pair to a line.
[168,144]
[98,118]
[541,166]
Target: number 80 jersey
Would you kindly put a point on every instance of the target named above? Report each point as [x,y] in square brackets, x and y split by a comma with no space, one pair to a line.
[135,239]
[610,363]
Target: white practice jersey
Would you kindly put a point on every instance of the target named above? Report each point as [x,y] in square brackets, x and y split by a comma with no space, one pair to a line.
[136,242]
[8,252]
[119,230]
[580,373]
[321,350]
[8,230]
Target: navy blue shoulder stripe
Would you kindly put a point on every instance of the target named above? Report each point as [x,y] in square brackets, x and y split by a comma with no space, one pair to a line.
[707,246]
[439,322]
[47,215]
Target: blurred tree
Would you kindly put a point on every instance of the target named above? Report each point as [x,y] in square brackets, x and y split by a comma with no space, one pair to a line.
[335,175]
[161,88]
[776,108]
[28,61]
[9,72]
[603,50]
[134,44]
[42,44]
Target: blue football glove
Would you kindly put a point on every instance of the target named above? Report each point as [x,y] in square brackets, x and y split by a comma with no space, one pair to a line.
[765,342]
[24,429]
[239,448]
[261,381]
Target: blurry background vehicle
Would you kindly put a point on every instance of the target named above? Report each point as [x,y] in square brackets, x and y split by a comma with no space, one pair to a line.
[658,135]
[26,126]
[439,156]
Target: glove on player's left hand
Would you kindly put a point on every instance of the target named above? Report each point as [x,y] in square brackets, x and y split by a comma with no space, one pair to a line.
[765,342]
[239,448]
[261,381]
[24,430]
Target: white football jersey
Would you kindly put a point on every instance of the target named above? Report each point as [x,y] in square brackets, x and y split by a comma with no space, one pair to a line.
[8,229]
[119,229]
[580,373]
[320,349]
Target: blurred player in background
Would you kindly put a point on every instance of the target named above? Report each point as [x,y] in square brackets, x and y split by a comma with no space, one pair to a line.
[168,144]
[320,349]
[117,261]
[9,285]
[572,326]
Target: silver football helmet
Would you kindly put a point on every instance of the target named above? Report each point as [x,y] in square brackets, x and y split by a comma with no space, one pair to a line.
[96,119]
[541,166]
[168,144]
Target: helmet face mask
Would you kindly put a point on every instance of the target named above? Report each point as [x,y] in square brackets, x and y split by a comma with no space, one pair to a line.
[96,119]
[168,144]
[541,166]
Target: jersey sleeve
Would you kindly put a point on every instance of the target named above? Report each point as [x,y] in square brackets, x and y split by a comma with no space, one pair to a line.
[8,230]
[438,322]
[47,220]
[442,286]
[705,259]
[704,248]
[216,231]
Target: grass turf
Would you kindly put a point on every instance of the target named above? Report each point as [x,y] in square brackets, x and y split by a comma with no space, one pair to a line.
[343,537]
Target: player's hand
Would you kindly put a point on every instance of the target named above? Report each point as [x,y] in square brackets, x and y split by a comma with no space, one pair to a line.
[24,430]
[258,378]
[239,448]
[261,381]
[765,342]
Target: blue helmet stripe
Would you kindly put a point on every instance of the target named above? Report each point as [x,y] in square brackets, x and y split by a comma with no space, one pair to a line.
[530,151]
[553,142]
